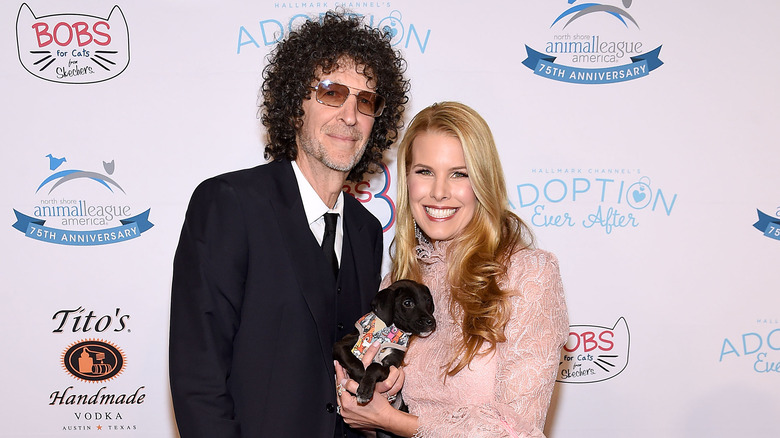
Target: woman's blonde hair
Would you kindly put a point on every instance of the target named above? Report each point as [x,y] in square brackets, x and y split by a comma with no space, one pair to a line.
[478,256]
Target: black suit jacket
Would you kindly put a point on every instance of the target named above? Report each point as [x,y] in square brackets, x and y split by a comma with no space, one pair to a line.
[255,309]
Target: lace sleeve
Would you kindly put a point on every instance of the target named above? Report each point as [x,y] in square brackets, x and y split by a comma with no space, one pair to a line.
[526,364]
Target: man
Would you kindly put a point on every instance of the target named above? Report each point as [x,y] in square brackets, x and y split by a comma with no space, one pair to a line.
[256,304]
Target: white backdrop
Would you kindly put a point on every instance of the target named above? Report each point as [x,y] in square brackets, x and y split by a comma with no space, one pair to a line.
[657,187]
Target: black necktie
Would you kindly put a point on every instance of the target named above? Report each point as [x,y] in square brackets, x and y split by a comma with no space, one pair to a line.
[329,242]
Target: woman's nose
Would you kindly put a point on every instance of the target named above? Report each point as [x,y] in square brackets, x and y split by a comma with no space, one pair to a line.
[441,189]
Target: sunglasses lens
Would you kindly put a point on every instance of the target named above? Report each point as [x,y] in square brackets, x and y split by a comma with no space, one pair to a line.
[370,104]
[332,94]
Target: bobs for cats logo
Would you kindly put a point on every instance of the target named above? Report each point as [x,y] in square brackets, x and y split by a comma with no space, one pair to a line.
[592,43]
[591,198]
[594,353]
[73,48]
[373,194]
[99,218]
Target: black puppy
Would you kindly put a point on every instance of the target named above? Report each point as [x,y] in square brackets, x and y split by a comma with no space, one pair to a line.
[402,310]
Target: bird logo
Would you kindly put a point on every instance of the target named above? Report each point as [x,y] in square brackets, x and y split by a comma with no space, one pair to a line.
[55,162]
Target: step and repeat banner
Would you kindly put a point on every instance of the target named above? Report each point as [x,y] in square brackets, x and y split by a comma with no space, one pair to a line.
[639,139]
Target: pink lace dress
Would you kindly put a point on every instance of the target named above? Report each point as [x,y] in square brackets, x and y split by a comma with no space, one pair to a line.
[506,393]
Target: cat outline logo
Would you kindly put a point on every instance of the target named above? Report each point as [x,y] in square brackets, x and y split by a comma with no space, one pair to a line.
[594,353]
[73,48]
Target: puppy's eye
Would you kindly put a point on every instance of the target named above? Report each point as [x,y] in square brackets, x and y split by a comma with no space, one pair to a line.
[408,303]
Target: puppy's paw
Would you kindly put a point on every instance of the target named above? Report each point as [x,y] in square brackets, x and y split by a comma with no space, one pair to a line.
[364,394]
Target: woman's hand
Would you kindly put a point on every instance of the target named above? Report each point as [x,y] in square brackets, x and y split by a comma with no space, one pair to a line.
[378,413]
[375,414]
[392,384]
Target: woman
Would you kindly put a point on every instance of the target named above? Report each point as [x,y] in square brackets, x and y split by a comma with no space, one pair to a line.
[489,368]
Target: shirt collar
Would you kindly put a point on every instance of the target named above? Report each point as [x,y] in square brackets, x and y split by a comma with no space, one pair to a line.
[312,204]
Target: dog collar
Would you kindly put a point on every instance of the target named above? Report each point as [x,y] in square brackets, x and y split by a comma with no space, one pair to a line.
[372,329]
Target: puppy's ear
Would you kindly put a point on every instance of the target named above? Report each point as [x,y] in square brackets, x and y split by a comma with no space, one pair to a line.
[429,306]
[383,305]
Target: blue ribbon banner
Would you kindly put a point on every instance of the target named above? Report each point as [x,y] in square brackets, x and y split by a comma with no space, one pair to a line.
[130,229]
[768,225]
[640,66]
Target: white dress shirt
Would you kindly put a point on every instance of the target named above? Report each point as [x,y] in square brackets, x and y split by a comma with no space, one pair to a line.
[315,210]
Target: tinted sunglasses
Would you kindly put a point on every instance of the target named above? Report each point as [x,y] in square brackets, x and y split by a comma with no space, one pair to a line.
[334,94]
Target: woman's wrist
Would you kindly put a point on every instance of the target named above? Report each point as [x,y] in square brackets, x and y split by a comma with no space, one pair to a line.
[399,423]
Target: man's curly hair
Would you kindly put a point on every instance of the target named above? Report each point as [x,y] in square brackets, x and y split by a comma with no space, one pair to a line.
[317,46]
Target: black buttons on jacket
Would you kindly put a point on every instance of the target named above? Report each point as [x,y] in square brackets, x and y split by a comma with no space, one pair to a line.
[340,326]
[330,408]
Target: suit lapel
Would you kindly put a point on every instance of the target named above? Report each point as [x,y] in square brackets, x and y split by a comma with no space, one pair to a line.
[359,241]
[305,256]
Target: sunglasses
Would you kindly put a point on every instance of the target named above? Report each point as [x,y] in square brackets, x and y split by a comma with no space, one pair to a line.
[334,94]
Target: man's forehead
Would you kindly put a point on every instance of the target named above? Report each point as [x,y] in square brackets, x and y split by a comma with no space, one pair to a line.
[344,64]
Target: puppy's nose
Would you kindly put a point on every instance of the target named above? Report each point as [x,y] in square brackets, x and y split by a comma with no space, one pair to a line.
[429,322]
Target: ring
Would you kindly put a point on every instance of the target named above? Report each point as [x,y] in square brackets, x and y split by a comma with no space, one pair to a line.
[391,398]
[338,410]
[339,389]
